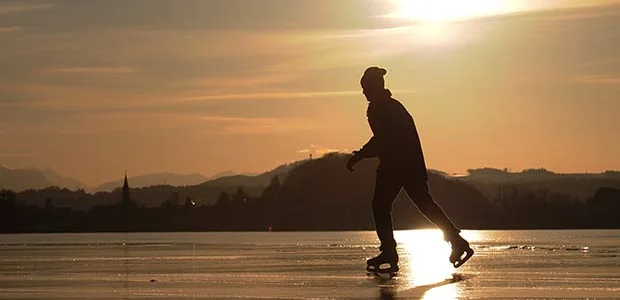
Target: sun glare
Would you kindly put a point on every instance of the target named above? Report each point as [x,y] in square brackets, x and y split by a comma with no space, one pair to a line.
[448,10]
[424,260]
[425,256]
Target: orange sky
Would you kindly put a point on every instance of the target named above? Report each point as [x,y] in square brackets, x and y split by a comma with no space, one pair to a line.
[91,88]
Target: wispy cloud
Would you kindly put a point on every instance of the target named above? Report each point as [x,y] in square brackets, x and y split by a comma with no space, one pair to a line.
[67,97]
[271,95]
[91,70]
[15,155]
[256,126]
[70,97]
[572,16]
[101,122]
[474,9]
[10,29]
[570,11]
[23,6]
[141,44]
[319,150]
[242,81]
[600,62]
[610,80]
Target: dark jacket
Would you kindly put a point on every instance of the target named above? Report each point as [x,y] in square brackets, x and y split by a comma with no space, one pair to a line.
[395,139]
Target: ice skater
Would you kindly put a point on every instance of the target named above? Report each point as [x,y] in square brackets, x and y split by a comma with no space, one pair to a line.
[396,143]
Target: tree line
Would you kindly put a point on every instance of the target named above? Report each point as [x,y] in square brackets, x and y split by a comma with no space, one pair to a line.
[319,194]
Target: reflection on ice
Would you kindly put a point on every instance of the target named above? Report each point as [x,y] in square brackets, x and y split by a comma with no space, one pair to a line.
[425,263]
[444,292]
[424,256]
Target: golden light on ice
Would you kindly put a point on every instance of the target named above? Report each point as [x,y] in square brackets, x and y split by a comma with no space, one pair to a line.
[425,256]
[446,292]
[448,10]
[425,265]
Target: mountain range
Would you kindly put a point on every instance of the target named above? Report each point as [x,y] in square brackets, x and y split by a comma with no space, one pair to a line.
[32,178]
[205,193]
[489,181]
[315,194]
[494,182]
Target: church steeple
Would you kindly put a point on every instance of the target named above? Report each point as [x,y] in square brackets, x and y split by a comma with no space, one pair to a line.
[126,199]
[126,184]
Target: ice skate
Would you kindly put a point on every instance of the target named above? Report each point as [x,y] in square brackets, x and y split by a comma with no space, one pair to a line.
[389,258]
[461,251]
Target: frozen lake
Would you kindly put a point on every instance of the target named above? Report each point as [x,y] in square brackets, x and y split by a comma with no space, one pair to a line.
[307,265]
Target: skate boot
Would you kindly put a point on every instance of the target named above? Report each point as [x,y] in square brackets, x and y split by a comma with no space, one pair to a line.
[389,257]
[461,251]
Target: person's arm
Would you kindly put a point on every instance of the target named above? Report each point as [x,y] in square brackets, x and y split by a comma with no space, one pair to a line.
[370,149]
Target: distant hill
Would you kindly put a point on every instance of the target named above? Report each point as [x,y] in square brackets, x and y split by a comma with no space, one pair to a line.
[153,180]
[231,173]
[20,179]
[226,178]
[208,192]
[222,174]
[62,181]
[249,180]
[579,185]
[322,193]
[491,175]
[32,178]
[149,190]
[315,194]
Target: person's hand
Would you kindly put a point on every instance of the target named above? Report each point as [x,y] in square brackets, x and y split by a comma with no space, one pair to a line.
[353,160]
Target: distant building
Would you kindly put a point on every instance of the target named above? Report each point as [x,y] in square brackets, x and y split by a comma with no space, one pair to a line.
[126,200]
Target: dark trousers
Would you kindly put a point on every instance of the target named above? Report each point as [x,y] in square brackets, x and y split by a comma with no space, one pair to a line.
[387,187]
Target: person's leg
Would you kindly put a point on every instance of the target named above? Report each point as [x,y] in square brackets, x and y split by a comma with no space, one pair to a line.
[419,193]
[386,190]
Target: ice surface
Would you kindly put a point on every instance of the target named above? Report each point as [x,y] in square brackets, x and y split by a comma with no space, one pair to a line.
[307,265]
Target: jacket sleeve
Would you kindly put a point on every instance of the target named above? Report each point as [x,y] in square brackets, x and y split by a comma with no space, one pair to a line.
[370,149]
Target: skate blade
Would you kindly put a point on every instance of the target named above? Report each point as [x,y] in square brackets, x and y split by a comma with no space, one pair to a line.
[372,270]
[461,260]
[383,275]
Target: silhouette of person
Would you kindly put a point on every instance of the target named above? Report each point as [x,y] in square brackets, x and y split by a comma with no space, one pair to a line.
[396,143]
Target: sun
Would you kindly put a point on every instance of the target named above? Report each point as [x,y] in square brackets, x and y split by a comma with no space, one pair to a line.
[448,10]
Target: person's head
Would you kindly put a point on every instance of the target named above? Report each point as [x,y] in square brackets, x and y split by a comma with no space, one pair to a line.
[373,85]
